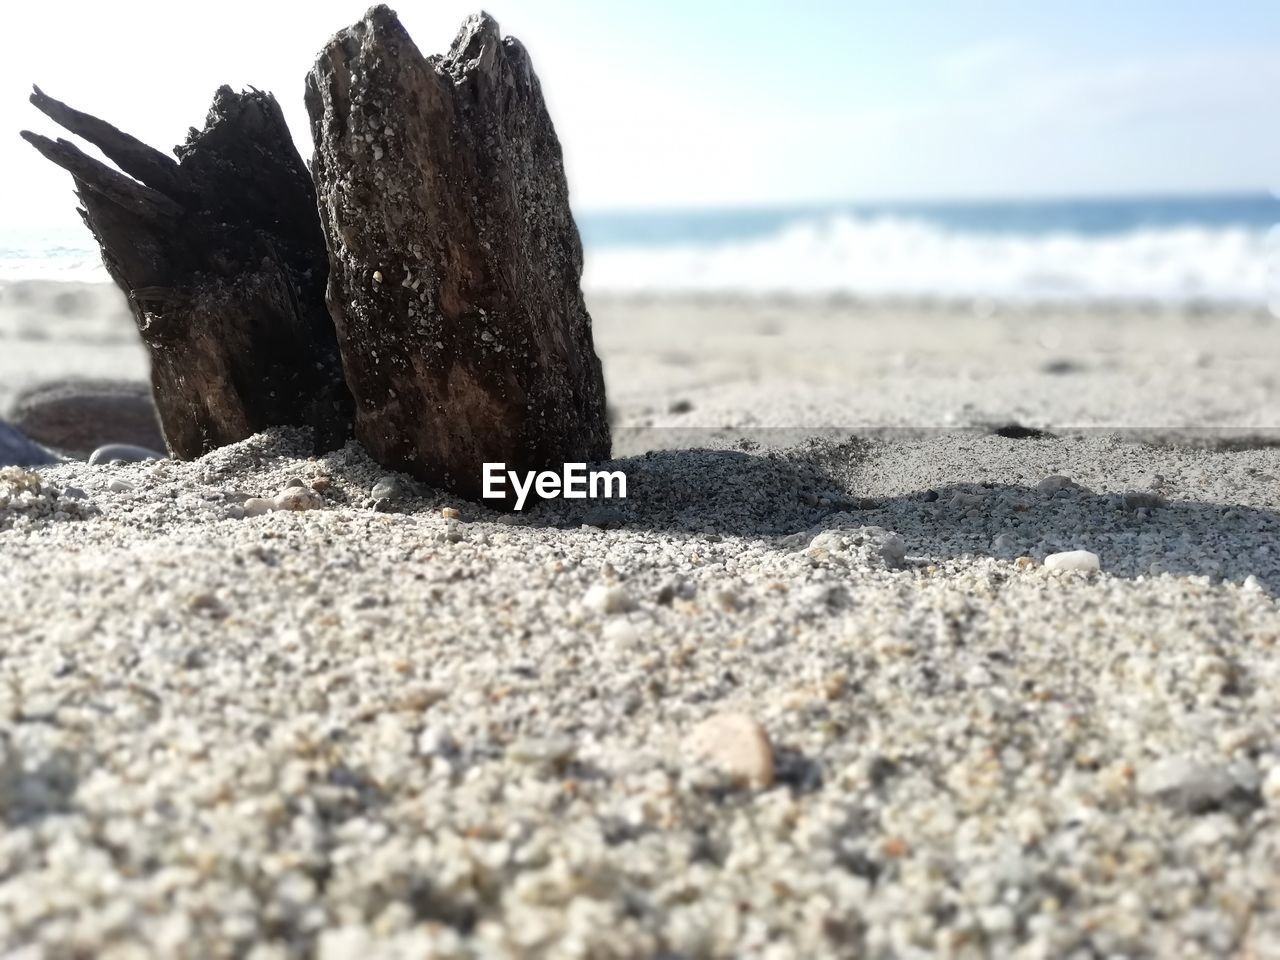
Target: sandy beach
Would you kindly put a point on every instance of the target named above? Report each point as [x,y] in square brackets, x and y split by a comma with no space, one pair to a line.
[428,729]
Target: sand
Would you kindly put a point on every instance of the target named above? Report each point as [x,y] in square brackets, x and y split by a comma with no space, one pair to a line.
[383,731]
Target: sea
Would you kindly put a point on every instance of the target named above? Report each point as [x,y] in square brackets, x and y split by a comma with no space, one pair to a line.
[1213,248]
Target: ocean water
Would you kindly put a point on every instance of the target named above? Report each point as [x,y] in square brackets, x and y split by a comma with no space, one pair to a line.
[1222,248]
[1213,248]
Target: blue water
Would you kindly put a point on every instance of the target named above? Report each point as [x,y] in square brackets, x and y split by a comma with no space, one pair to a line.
[1029,218]
[1213,247]
[1179,248]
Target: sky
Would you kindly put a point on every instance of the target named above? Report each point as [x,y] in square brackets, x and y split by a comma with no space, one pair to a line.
[696,103]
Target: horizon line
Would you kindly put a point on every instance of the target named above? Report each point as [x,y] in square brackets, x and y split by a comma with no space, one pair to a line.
[1190,194]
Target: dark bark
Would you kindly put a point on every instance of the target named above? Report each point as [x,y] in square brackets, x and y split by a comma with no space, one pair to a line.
[223,261]
[454,259]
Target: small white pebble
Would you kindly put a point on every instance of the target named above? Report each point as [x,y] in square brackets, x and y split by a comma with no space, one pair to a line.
[298,498]
[608,599]
[621,632]
[1081,560]
[737,745]
[551,750]
[257,506]
[436,742]
[1271,786]
[998,919]
[119,486]
[1190,784]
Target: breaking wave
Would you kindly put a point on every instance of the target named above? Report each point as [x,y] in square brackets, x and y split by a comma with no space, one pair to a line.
[904,257]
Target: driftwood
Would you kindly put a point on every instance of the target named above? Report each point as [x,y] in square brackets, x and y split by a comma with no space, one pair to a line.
[454,258]
[452,331]
[223,262]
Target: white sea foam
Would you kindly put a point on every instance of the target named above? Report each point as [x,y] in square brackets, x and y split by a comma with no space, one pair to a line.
[75,265]
[892,256]
[880,256]
[56,254]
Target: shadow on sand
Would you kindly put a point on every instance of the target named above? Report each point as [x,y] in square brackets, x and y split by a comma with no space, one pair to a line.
[773,495]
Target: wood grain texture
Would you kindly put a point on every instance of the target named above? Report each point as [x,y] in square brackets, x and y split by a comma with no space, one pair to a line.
[455,263]
[223,261]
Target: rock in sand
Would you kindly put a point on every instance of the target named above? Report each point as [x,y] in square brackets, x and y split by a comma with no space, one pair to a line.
[77,416]
[16,450]
[1079,560]
[736,744]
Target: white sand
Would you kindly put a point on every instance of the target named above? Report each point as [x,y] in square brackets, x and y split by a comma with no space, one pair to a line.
[365,734]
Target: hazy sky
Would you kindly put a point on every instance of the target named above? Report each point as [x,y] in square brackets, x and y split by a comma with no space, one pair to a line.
[706,102]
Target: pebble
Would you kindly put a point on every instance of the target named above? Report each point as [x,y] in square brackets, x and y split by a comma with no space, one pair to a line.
[119,486]
[736,744]
[893,550]
[16,450]
[208,604]
[546,750]
[1055,484]
[675,589]
[1141,499]
[858,545]
[1271,786]
[727,599]
[290,498]
[621,632]
[257,506]
[1080,560]
[1252,584]
[1196,786]
[451,513]
[436,742]
[74,493]
[298,498]
[389,490]
[123,453]
[608,599]
[78,415]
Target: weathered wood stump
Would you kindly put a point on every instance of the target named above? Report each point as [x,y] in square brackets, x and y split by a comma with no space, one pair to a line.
[224,264]
[454,259]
